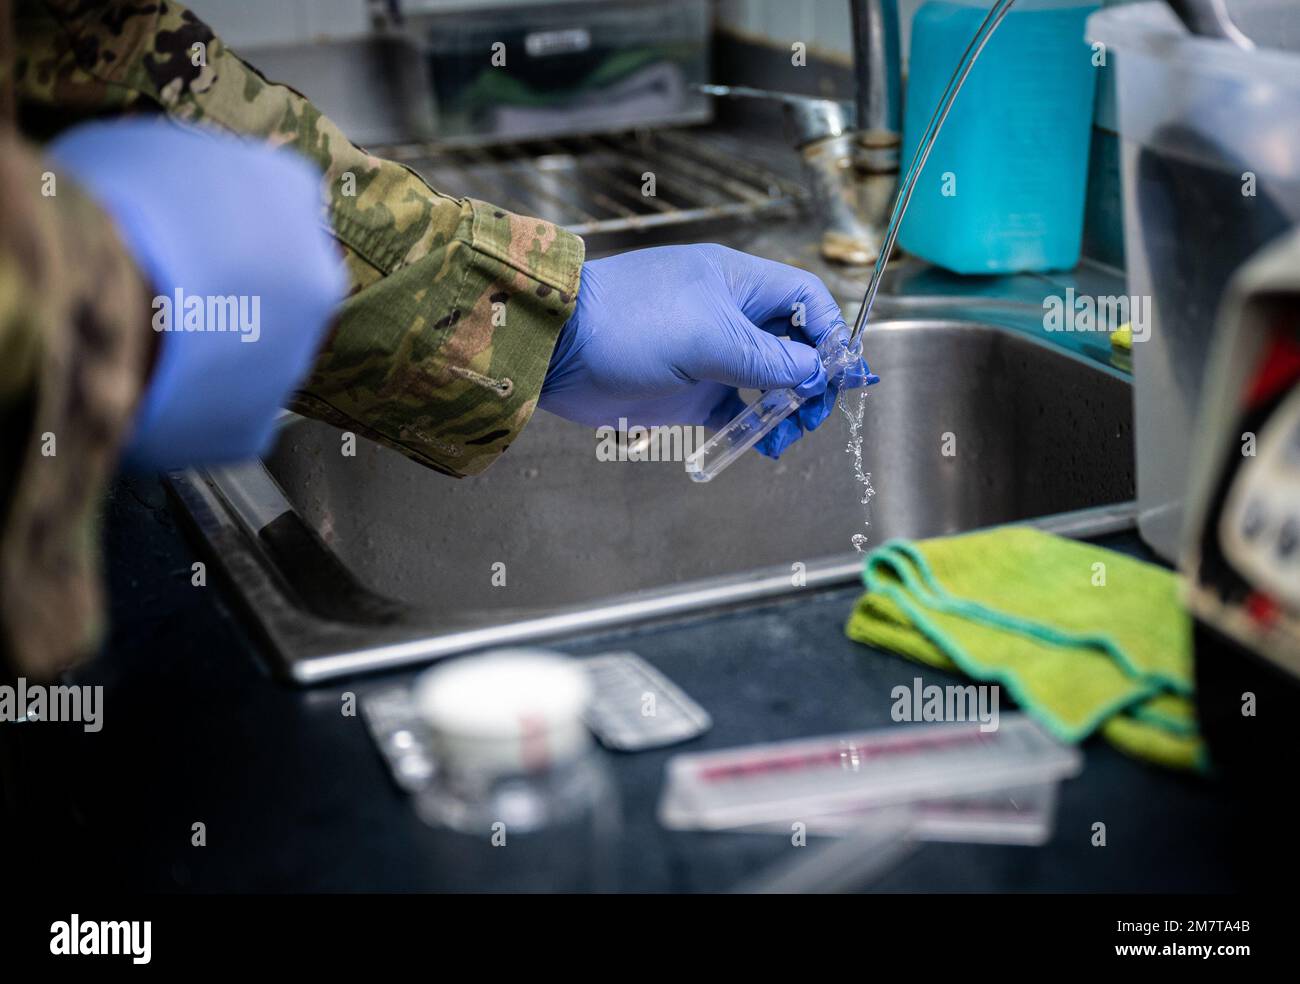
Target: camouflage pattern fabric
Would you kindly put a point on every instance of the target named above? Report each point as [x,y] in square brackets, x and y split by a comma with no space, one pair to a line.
[439,351]
[72,360]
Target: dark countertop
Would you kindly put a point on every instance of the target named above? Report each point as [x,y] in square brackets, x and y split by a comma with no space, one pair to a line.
[295,798]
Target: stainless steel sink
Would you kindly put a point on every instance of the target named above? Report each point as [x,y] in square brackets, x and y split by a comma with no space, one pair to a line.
[349,564]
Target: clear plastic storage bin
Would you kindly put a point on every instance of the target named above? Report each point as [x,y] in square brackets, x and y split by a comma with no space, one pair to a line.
[1211,172]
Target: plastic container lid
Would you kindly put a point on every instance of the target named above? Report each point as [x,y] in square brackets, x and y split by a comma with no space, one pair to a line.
[511,710]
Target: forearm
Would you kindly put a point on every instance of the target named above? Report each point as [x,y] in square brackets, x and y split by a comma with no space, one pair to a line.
[442,345]
[444,357]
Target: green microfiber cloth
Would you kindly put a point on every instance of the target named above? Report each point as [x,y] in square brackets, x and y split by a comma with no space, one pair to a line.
[1079,647]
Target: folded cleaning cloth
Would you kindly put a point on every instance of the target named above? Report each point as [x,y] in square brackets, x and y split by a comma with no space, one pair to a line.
[1078,646]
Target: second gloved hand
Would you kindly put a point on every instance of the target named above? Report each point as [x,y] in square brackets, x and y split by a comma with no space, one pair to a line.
[229,234]
[667,336]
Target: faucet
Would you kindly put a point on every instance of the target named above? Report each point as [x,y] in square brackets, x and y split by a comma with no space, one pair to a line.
[876,76]
[850,151]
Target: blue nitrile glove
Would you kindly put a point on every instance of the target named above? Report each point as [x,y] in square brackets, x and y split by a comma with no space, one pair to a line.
[667,335]
[215,217]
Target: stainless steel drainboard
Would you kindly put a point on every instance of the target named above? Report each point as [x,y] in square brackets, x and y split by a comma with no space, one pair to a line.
[596,186]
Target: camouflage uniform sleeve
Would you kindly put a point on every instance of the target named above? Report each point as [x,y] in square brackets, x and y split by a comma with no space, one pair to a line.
[441,348]
[72,362]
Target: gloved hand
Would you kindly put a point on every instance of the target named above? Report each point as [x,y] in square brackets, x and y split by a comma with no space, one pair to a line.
[667,335]
[218,219]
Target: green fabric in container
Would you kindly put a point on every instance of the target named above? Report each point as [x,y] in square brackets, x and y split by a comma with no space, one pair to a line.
[1082,638]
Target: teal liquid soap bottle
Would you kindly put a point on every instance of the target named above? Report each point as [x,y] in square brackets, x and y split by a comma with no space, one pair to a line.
[1003,189]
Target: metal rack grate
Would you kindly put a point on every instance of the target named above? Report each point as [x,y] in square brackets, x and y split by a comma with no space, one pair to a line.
[596,185]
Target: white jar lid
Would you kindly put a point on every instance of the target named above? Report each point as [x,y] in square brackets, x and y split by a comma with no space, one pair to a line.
[509,710]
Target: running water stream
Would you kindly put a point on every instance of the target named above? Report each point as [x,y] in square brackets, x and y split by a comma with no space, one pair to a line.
[854,448]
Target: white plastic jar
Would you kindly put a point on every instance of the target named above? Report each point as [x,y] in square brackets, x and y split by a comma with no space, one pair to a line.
[520,799]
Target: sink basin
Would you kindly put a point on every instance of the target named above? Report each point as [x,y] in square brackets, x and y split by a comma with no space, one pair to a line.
[357,563]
